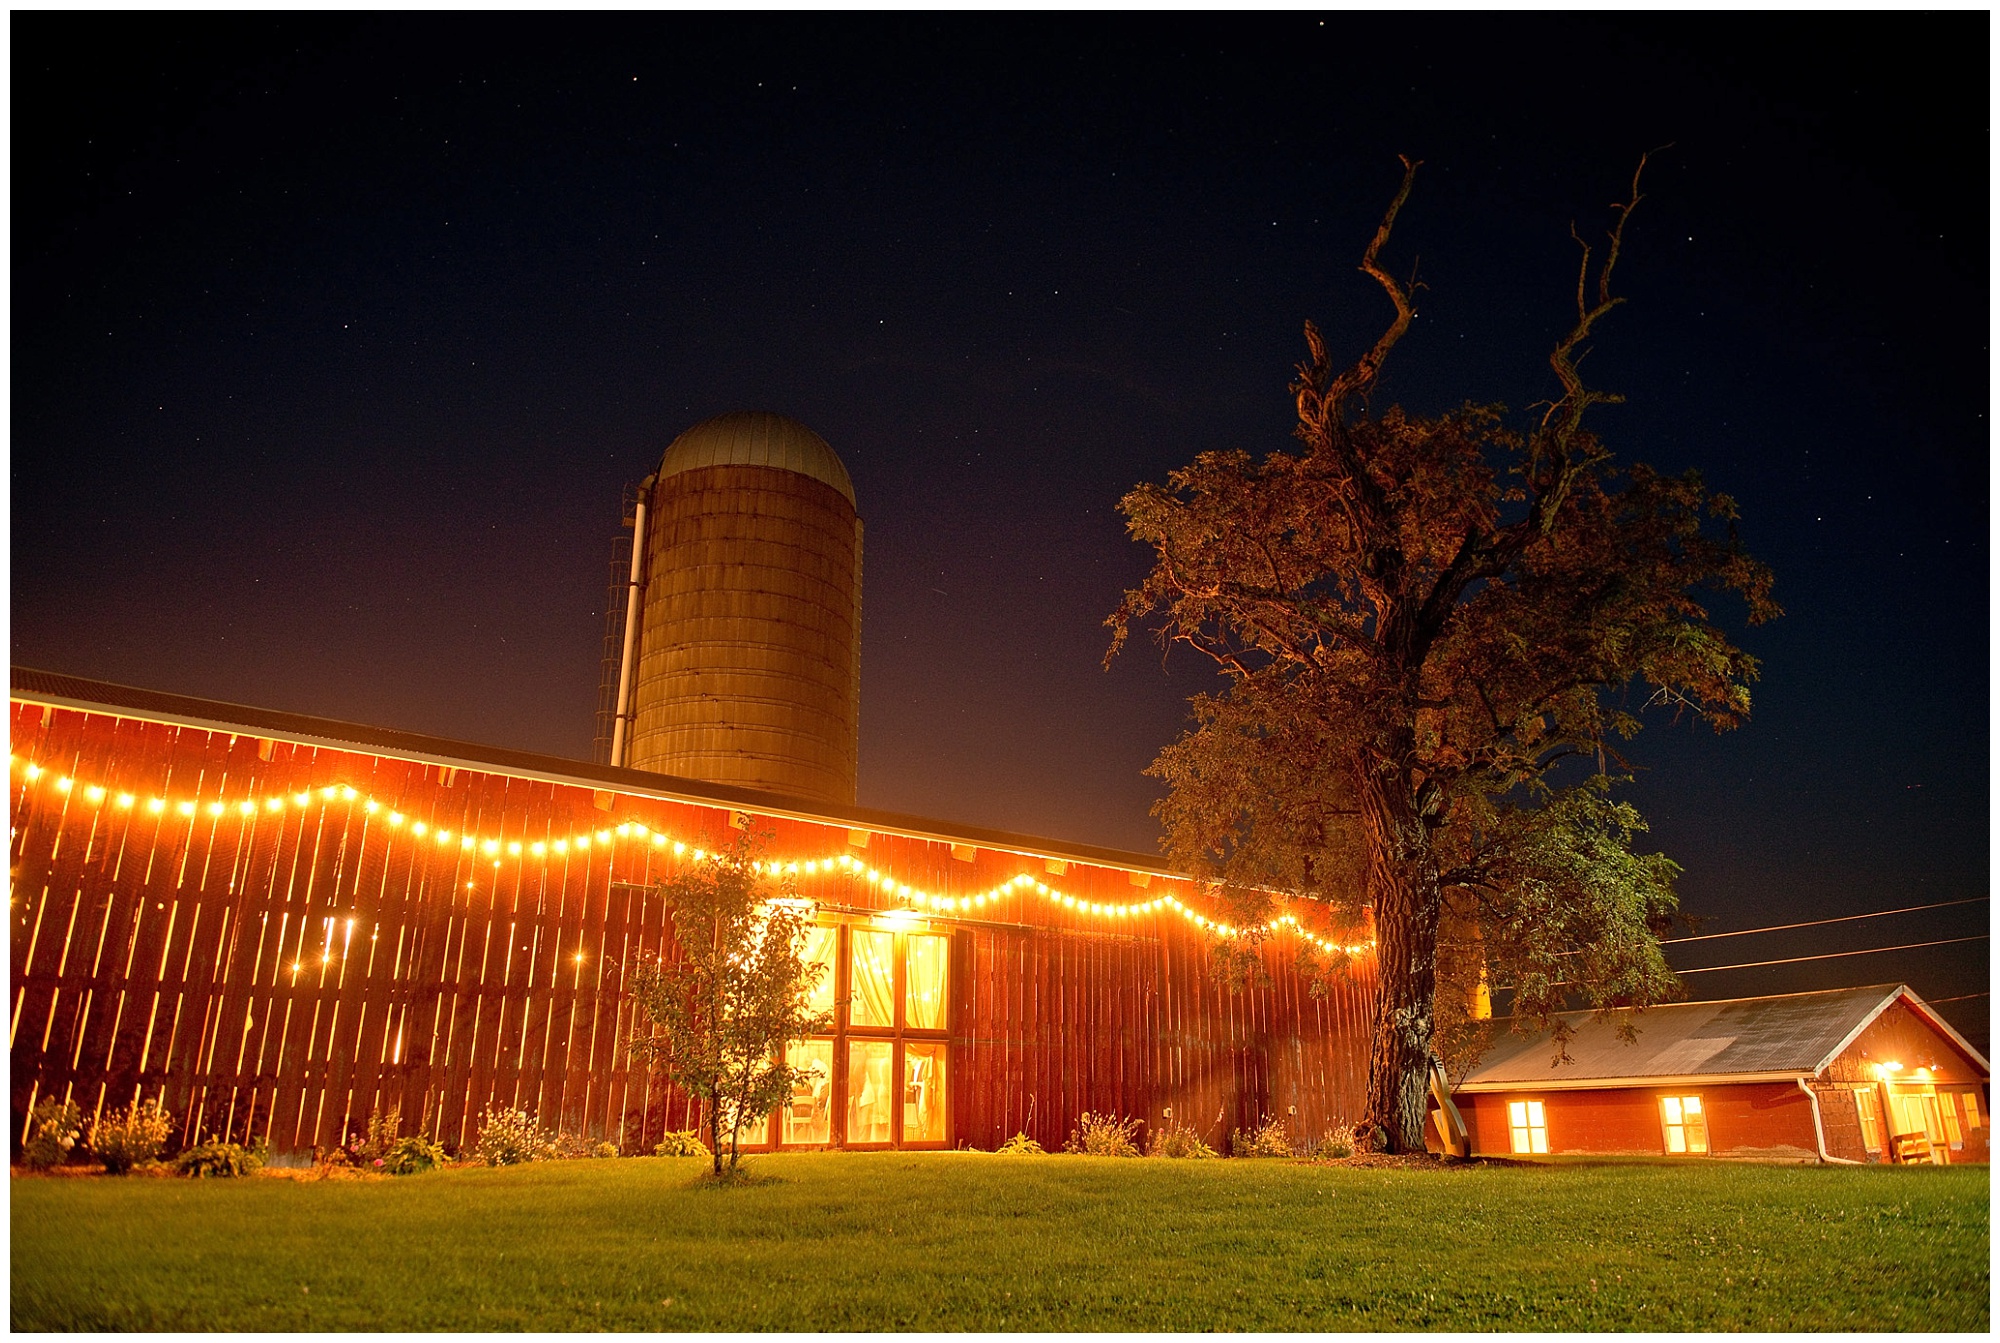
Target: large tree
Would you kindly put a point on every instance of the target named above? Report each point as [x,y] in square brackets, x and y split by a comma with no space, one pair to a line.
[1420,619]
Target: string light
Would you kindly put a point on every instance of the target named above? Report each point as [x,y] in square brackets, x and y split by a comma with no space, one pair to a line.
[919,900]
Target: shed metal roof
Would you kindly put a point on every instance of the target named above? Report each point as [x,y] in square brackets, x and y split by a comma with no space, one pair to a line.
[1743,1039]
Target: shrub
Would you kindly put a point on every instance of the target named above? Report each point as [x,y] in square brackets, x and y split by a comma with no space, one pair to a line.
[216,1160]
[53,1129]
[1333,1145]
[124,1138]
[1178,1140]
[510,1136]
[604,1150]
[412,1156]
[1022,1145]
[1268,1139]
[681,1142]
[384,1128]
[1103,1135]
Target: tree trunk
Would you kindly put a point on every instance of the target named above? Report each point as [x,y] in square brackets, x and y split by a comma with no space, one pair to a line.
[1403,886]
[715,1132]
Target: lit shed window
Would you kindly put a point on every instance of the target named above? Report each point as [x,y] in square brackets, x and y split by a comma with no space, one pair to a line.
[1971,1109]
[1687,1127]
[1527,1127]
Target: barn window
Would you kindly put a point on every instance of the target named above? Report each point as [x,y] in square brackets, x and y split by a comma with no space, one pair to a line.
[873,1002]
[879,1076]
[923,1093]
[871,1093]
[809,1113]
[1687,1127]
[1869,1106]
[1527,1127]
[1971,1109]
[821,950]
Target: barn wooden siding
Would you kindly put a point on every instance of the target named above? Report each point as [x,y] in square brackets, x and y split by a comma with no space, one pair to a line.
[282,973]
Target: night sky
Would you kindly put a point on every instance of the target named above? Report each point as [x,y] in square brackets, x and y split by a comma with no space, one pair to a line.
[336,339]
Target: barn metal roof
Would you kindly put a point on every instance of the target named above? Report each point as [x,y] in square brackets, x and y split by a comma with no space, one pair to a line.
[77,692]
[1742,1039]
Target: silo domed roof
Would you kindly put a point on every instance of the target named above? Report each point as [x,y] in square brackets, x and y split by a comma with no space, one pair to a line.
[757,438]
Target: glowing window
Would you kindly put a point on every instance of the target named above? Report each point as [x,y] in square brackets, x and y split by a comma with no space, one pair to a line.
[1971,1110]
[872,1000]
[1527,1127]
[923,1093]
[1686,1125]
[809,1113]
[924,976]
[819,950]
[1869,1106]
[871,1090]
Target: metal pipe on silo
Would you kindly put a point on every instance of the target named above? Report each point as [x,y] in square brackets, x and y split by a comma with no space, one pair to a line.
[625,657]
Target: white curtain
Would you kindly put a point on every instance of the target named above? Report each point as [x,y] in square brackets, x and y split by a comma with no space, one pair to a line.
[873,974]
[924,1008]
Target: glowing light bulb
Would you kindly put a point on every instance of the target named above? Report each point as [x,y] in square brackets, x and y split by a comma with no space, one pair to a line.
[395,818]
[514,848]
[679,848]
[419,829]
[303,799]
[65,783]
[274,803]
[659,841]
[562,846]
[604,837]
[538,848]
[126,799]
[34,771]
[329,793]
[95,793]
[583,841]
[371,806]
[347,794]
[215,809]
[490,847]
[466,841]
[247,808]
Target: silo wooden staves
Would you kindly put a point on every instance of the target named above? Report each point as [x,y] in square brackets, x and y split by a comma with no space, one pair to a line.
[748,661]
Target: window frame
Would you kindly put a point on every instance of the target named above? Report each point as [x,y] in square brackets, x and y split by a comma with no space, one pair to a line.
[1668,1126]
[844,1034]
[1534,1122]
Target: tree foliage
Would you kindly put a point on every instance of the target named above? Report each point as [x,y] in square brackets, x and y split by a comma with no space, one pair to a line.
[720,1010]
[1419,619]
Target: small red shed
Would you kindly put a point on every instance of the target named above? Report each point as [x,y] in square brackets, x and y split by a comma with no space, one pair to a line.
[1843,1075]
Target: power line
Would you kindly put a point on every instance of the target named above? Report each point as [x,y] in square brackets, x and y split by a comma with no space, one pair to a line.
[1833,955]
[1814,923]
[1959,998]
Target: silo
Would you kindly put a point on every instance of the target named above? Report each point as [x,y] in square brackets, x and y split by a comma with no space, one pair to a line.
[748,656]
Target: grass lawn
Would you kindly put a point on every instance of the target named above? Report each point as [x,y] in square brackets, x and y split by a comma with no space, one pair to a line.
[942,1241]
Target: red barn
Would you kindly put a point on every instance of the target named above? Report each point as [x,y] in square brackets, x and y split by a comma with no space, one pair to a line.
[1855,1075]
[280,925]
